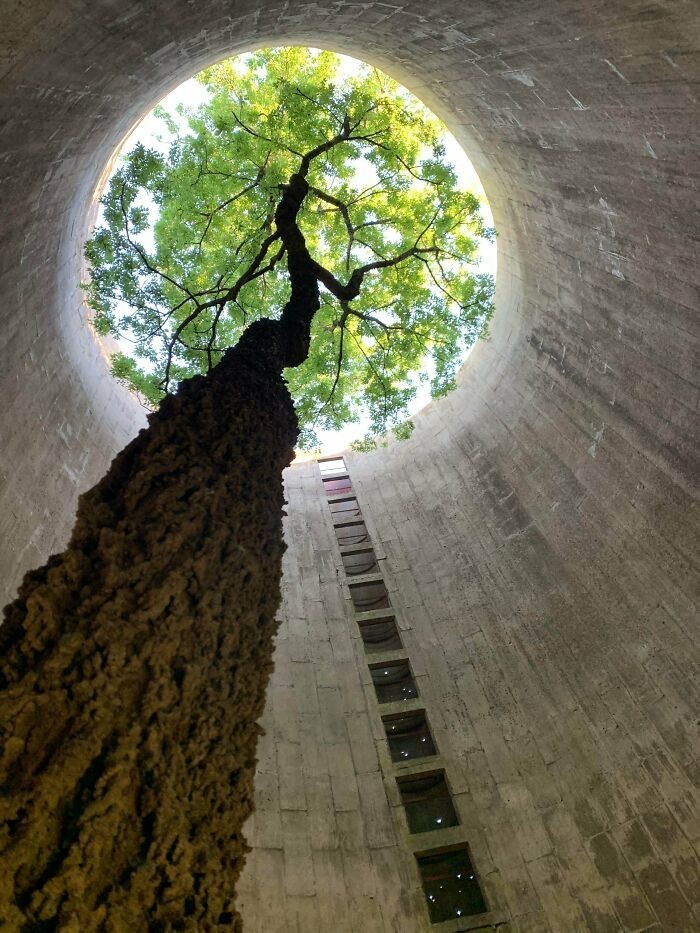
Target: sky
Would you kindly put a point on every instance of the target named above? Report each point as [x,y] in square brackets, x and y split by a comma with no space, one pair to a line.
[192,93]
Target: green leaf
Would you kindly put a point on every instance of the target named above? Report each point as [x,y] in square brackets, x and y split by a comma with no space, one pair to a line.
[179,229]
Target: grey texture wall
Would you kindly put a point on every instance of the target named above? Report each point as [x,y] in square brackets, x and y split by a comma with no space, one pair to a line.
[539,529]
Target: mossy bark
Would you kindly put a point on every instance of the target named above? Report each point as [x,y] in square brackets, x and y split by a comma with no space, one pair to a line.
[134,668]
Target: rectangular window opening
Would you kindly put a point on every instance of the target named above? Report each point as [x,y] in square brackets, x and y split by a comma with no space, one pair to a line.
[381,635]
[331,465]
[337,486]
[352,533]
[360,563]
[450,884]
[393,682]
[345,509]
[408,736]
[427,801]
[370,595]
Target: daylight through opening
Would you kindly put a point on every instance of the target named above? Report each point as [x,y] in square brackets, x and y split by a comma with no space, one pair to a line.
[186,252]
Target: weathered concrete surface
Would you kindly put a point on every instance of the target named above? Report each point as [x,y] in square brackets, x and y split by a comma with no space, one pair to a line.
[549,502]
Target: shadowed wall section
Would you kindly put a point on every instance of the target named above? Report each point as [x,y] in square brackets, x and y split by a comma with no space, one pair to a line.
[539,532]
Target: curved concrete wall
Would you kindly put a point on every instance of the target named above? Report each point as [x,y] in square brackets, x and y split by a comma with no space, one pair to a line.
[539,528]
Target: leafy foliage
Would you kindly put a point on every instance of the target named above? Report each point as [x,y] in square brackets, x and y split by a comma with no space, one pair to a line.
[187,253]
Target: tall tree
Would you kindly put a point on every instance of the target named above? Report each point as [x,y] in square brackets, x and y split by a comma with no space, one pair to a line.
[303,230]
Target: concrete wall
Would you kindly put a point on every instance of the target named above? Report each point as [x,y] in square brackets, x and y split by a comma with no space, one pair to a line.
[539,529]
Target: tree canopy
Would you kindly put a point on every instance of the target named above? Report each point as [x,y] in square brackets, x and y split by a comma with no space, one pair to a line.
[187,252]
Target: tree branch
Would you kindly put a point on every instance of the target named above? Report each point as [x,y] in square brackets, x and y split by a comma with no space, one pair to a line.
[339,363]
[344,213]
[227,203]
[141,254]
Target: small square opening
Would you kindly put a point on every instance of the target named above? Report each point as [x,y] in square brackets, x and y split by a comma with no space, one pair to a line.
[344,509]
[408,736]
[336,486]
[368,596]
[450,884]
[360,562]
[393,682]
[427,802]
[332,465]
[380,635]
[353,533]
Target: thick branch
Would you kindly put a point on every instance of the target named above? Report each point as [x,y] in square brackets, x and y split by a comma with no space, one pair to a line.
[352,289]
[304,301]
[253,272]
[209,215]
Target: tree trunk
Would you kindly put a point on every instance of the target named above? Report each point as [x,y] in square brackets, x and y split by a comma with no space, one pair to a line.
[135,664]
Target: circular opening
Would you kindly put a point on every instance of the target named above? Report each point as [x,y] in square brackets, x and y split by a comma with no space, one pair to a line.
[186,118]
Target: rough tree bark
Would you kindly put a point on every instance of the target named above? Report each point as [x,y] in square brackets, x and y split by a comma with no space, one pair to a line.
[134,664]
